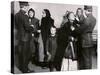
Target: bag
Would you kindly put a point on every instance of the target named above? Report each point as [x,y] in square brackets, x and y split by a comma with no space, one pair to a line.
[71,51]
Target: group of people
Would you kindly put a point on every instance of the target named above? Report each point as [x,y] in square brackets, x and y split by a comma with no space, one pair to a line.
[73,40]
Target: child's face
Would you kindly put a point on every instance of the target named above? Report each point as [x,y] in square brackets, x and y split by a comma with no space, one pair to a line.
[53,30]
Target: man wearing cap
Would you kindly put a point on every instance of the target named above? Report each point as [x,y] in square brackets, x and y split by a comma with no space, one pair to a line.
[23,36]
[85,30]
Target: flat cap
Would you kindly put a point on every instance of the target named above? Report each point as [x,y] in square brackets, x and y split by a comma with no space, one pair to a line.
[22,3]
[86,7]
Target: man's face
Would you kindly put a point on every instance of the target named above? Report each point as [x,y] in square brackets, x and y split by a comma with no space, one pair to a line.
[86,12]
[53,31]
[26,8]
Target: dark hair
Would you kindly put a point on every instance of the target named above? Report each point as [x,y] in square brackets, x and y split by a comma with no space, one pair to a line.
[32,11]
[47,13]
[79,9]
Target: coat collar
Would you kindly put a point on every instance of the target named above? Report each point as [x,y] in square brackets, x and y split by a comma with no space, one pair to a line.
[23,12]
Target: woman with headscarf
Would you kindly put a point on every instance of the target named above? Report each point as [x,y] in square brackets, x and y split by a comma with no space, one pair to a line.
[34,23]
[46,23]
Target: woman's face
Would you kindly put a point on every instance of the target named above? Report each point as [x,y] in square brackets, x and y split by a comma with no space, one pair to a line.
[43,14]
[72,17]
[31,14]
[79,12]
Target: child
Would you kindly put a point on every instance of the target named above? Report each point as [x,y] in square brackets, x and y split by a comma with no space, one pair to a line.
[51,46]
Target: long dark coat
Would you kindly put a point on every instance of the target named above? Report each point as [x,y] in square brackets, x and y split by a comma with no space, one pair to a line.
[86,42]
[62,42]
[85,30]
[22,25]
[46,24]
[23,37]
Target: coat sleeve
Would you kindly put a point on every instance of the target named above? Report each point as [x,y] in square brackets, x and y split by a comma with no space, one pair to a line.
[26,25]
[82,28]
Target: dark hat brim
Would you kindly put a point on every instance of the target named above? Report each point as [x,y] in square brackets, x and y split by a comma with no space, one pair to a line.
[23,3]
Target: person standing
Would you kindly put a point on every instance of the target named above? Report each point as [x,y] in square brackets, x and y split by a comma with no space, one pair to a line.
[46,23]
[86,29]
[62,42]
[23,36]
[79,19]
[51,46]
[34,22]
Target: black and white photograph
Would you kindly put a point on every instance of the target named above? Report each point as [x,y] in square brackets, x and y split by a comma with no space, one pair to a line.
[53,37]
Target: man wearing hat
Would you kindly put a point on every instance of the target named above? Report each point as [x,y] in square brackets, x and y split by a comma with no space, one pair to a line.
[85,30]
[23,36]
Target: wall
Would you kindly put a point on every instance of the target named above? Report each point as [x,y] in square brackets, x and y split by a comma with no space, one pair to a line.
[56,10]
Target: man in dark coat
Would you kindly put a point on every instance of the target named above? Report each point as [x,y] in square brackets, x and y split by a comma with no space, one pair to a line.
[85,29]
[23,36]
